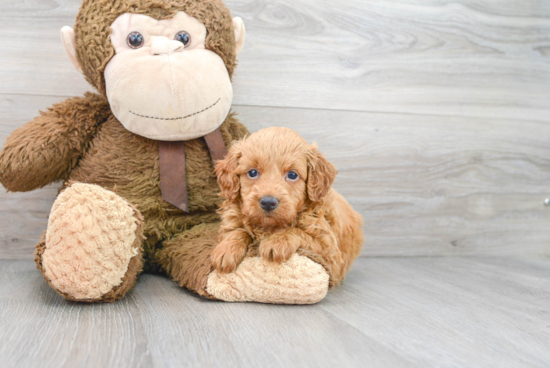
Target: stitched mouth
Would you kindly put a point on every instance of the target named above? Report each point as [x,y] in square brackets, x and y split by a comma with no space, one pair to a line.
[178,118]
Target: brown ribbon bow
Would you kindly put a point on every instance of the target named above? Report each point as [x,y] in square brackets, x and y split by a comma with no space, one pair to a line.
[173,182]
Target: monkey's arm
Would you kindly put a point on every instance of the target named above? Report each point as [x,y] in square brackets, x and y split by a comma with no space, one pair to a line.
[48,147]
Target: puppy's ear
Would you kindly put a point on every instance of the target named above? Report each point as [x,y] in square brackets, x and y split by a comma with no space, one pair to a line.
[320,175]
[226,171]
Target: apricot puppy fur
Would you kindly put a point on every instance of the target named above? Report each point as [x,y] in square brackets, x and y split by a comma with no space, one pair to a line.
[279,197]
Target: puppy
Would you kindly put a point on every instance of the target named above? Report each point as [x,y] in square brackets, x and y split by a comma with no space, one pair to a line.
[279,197]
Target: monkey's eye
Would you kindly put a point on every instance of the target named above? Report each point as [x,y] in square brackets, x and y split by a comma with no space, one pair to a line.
[135,40]
[253,174]
[292,176]
[183,37]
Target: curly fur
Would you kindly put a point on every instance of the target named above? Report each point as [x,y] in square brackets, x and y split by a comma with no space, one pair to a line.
[310,215]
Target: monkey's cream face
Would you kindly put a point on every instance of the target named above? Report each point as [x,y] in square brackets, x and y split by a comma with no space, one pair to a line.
[163,83]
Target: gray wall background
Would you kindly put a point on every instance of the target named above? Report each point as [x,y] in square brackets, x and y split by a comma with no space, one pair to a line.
[436,113]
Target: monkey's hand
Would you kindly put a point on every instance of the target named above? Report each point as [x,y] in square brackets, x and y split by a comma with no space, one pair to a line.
[228,254]
[280,246]
[49,147]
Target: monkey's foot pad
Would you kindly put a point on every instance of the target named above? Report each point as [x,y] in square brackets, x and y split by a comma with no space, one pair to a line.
[297,281]
[89,242]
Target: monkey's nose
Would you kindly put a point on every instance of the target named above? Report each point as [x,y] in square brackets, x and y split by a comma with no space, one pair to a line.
[164,46]
[269,203]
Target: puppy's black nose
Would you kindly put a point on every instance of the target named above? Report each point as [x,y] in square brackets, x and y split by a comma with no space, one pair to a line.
[269,203]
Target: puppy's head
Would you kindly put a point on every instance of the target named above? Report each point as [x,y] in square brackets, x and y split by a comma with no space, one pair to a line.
[274,173]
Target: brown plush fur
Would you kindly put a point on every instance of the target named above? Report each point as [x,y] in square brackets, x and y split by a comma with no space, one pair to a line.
[186,257]
[310,214]
[80,140]
[49,147]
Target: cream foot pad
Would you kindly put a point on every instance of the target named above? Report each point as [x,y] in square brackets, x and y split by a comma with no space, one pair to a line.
[89,241]
[297,281]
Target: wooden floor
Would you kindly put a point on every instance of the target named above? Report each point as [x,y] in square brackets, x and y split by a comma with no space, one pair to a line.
[390,312]
[436,114]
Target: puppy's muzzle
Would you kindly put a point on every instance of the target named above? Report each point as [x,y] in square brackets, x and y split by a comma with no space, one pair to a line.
[269,203]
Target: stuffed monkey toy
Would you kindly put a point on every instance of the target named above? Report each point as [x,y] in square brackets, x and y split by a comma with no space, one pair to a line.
[136,158]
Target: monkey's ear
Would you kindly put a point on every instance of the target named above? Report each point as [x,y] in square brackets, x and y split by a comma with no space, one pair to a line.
[240,33]
[226,171]
[69,42]
[320,175]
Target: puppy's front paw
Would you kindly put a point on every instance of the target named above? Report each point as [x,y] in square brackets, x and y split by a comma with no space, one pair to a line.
[278,247]
[228,255]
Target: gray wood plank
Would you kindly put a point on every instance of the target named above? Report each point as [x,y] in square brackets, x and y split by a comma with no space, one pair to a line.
[40,329]
[416,311]
[159,324]
[466,58]
[187,328]
[433,185]
[461,312]
[425,185]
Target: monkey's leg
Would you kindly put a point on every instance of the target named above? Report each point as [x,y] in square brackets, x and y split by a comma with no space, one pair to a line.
[303,279]
[91,251]
[186,258]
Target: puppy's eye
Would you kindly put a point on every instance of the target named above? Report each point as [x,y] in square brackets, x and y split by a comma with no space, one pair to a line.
[292,176]
[253,174]
[135,40]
